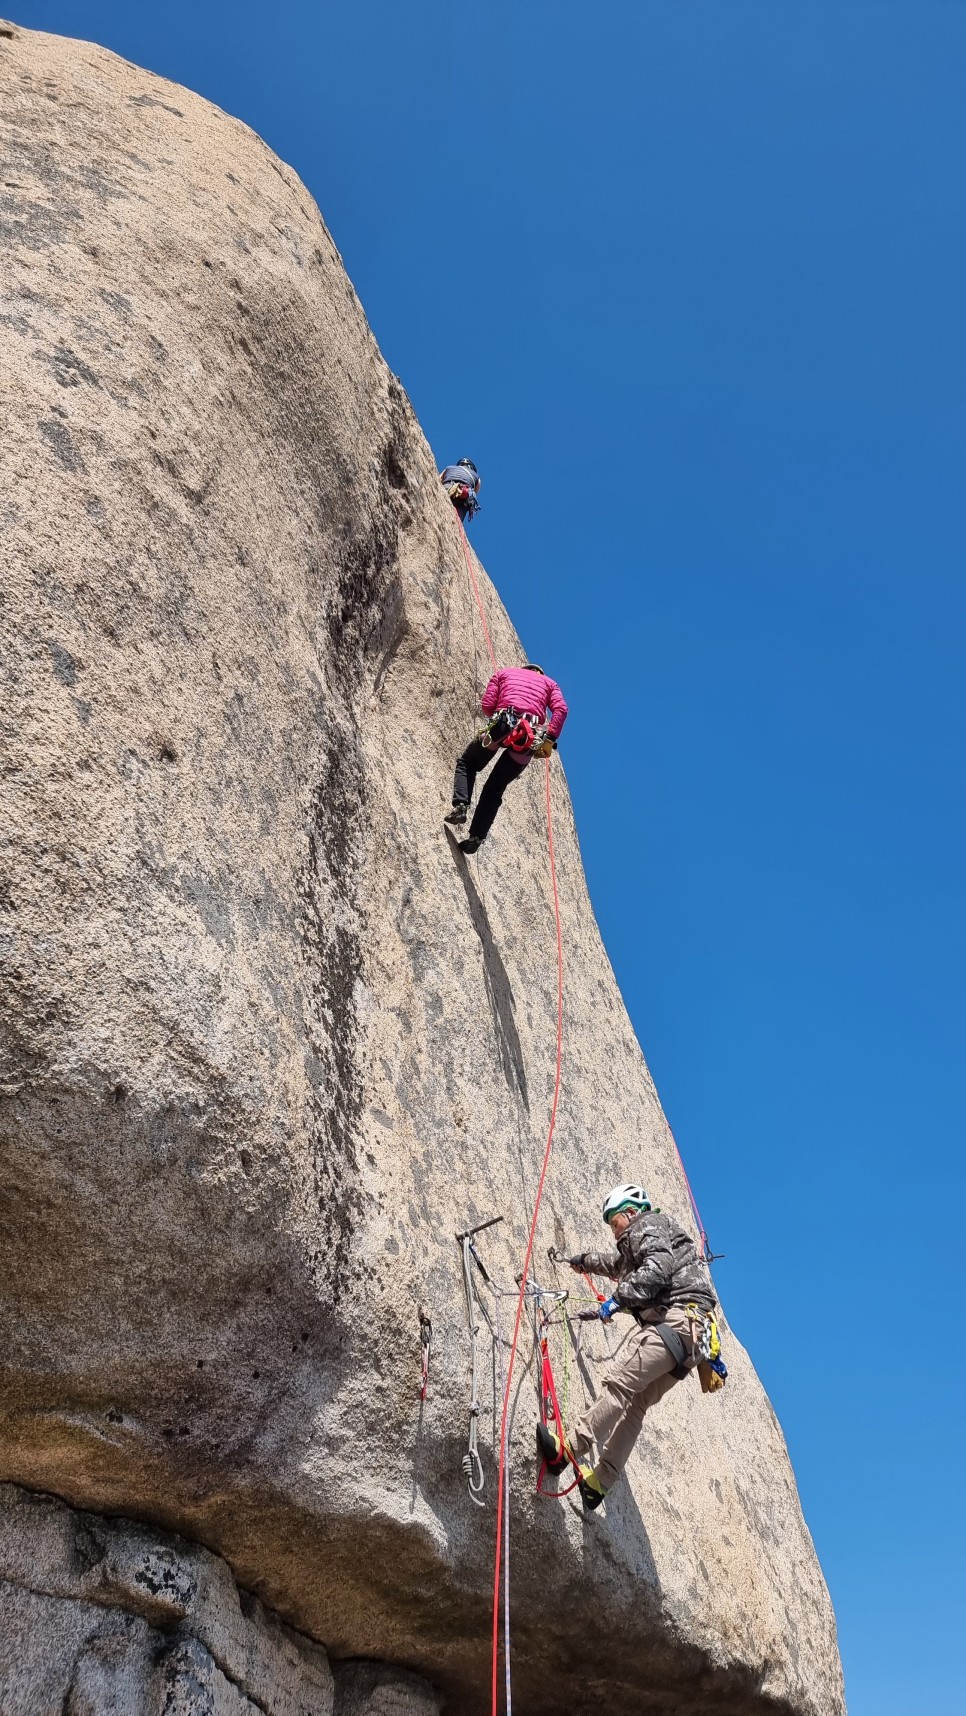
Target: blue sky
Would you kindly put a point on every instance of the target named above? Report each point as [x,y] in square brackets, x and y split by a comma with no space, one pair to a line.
[687,280]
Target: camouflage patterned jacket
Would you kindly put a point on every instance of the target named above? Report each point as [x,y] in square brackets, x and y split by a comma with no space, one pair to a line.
[655,1265]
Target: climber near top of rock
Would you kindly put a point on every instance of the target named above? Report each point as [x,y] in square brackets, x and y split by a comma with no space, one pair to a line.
[462,483]
[518,701]
[666,1287]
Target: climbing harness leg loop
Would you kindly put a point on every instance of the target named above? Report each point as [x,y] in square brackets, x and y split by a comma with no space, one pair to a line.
[676,1347]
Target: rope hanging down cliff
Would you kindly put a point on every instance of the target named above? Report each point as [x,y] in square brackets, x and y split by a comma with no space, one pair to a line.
[502,1543]
[505,1411]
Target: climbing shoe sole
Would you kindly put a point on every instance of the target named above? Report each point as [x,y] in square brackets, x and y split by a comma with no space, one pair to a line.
[549,1450]
[590,1495]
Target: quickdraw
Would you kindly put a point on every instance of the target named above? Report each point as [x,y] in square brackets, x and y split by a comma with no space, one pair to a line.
[556,1257]
[426,1343]
[472,1464]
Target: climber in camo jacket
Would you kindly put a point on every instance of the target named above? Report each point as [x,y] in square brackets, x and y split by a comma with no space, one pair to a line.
[658,1274]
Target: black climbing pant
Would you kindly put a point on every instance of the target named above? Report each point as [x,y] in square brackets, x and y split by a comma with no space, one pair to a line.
[475,758]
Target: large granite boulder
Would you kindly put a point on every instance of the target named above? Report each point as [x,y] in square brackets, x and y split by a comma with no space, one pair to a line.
[268,1040]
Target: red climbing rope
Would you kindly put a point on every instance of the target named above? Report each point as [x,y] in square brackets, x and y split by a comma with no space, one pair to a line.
[503,1483]
[505,1413]
[476,591]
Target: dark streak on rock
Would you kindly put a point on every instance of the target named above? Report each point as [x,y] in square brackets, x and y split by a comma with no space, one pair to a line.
[152,101]
[499,989]
[65,667]
[61,443]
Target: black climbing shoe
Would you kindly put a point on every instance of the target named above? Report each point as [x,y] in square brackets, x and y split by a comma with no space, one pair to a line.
[471,844]
[457,814]
[549,1449]
[591,1493]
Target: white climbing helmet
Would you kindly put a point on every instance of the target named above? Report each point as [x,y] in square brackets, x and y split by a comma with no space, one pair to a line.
[625,1198]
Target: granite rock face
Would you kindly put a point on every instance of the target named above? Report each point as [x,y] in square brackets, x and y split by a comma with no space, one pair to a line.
[98,1615]
[268,1041]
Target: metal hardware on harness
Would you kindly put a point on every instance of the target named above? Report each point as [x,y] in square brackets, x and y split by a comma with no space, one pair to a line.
[510,730]
[426,1341]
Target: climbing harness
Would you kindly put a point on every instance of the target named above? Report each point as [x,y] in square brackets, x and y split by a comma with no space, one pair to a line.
[462,495]
[524,735]
[426,1342]
[511,730]
[676,1347]
[472,1464]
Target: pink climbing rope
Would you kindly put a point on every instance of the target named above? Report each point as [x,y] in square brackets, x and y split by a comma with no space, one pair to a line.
[692,1200]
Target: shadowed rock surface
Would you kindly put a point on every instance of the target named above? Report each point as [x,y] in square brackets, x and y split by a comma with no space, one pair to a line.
[267,1040]
[101,1615]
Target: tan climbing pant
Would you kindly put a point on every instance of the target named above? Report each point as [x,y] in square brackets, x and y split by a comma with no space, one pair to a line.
[638,1378]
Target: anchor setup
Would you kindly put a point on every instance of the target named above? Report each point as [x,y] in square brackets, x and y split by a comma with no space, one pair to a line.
[548,1308]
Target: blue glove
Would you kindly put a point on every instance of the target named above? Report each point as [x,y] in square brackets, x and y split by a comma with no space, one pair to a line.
[607,1310]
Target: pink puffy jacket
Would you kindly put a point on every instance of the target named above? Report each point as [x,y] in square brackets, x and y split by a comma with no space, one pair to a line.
[531,693]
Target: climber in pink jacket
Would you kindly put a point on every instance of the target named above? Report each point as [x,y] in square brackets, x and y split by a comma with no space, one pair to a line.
[526,712]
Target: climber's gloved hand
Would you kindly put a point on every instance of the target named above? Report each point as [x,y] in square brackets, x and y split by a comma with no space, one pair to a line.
[607,1309]
[577,1263]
